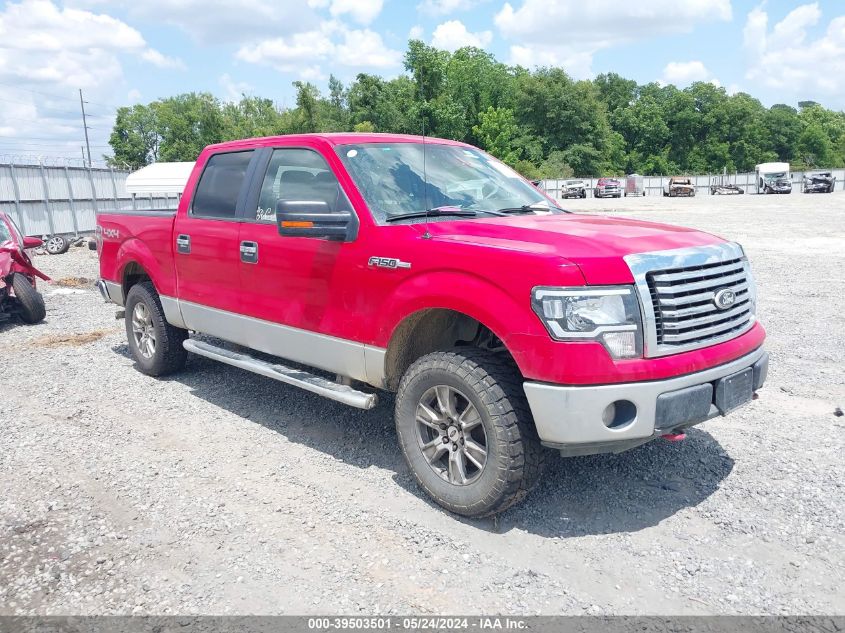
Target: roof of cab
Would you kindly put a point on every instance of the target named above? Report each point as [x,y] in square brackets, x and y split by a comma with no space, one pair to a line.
[336,138]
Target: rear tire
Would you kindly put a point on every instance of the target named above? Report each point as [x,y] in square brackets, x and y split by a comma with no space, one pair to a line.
[466,431]
[32,309]
[156,345]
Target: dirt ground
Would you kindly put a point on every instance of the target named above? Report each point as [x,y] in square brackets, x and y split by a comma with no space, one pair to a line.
[218,491]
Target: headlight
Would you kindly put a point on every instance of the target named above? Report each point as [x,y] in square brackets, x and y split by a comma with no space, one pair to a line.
[749,277]
[608,314]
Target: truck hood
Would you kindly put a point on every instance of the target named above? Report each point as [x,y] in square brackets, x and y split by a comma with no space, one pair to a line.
[596,244]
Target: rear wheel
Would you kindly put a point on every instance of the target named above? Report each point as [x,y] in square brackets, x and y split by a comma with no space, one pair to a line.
[156,345]
[466,431]
[30,302]
[57,245]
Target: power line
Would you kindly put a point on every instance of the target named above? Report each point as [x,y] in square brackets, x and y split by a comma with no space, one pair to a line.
[40,107]
[56,96]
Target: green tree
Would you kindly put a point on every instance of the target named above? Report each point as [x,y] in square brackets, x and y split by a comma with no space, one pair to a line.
[814,147]
[187,123]
[135,137]
[496,131]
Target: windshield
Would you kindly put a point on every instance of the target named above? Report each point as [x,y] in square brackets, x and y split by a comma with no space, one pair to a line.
[392,178]
[779,176]
[5,234]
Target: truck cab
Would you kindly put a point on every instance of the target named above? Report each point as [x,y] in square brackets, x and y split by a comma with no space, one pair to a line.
[509,329]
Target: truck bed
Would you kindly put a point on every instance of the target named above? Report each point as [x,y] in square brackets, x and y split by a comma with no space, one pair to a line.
[147,235]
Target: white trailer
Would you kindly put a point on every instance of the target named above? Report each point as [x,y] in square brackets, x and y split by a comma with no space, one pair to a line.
[773,178]
[159,178]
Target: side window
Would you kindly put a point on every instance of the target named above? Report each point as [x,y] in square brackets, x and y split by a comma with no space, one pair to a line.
[298,174]
[220,185]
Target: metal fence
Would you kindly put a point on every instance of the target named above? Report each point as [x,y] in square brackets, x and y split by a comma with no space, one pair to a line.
[64,200]
[655,185]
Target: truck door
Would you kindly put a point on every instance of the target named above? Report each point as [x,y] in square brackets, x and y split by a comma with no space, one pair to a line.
[296,288]
[206,249]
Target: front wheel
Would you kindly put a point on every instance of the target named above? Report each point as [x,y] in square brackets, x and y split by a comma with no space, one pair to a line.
[155,344]
[31,304]
[466,431]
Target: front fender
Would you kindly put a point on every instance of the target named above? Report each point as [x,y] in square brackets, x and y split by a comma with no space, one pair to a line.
[505,315]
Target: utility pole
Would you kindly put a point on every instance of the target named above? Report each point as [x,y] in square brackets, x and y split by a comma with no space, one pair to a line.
[85,127]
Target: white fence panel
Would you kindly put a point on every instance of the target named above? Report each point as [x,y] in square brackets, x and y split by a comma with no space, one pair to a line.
[47,200]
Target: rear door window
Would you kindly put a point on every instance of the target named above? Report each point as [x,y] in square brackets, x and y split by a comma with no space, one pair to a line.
[220,185]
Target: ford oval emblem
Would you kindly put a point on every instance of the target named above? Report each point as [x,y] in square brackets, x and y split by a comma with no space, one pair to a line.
[724,298]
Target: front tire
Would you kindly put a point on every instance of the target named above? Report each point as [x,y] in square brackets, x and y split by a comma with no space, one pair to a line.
[31,304]
[466,431]
[156,345]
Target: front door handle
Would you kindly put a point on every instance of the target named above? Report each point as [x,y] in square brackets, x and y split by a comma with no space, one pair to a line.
[249,252]
[183,244]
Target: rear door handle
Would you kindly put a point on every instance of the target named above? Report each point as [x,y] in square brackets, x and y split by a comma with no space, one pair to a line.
[183,244]
[249,252]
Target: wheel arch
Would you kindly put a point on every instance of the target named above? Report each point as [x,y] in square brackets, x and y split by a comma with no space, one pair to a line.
[133,273]
[435,329]
[137,263]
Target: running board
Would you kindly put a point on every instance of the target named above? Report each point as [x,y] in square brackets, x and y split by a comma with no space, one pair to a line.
[297,378]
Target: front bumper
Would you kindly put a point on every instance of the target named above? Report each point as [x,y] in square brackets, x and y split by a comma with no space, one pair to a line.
[570,418]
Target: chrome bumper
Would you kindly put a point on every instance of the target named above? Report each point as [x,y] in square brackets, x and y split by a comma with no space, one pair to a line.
[574,420]
[110,291]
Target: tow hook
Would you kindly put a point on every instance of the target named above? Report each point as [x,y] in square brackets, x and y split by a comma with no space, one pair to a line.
[674,437]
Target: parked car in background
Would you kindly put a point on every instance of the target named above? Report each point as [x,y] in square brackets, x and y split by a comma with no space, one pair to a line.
[18,293]
[634,185]
[722,186]
[773,178]
[679,186]
[574,189]
[504,325]
[818,182]
[607,188]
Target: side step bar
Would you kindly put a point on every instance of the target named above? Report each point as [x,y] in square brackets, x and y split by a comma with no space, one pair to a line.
[288,375]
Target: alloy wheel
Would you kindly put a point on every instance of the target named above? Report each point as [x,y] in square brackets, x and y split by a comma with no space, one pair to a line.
[143,330]
[451,435]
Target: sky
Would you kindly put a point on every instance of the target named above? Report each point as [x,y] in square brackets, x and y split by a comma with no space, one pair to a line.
[121,52]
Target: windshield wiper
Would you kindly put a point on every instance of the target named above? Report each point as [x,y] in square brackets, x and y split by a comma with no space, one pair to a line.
[439,212]
[527,208]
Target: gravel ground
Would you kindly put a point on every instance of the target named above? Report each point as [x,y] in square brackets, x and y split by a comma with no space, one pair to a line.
[218,491]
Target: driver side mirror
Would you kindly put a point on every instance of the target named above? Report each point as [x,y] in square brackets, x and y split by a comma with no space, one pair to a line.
[313,218]
[32,242]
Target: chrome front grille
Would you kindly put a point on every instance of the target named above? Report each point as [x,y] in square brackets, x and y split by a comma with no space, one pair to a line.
[678,289]
[684,307]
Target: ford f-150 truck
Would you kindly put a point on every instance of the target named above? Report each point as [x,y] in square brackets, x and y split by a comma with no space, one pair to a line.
[345,264]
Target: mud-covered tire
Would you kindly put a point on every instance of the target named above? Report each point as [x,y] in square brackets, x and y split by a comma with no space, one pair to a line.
[167,355]
[515,459]
[31,306]
[56,245]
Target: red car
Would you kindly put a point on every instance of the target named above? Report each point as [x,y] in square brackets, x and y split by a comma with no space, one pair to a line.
[18,294]
[607,188]
[426,267]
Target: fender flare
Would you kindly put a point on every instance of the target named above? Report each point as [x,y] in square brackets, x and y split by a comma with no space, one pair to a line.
[457,292]
[135,251]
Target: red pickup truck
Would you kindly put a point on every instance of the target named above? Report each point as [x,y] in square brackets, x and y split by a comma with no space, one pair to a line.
[505,325]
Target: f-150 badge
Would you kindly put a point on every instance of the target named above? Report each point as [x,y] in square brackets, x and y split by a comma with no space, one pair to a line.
[387,262]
